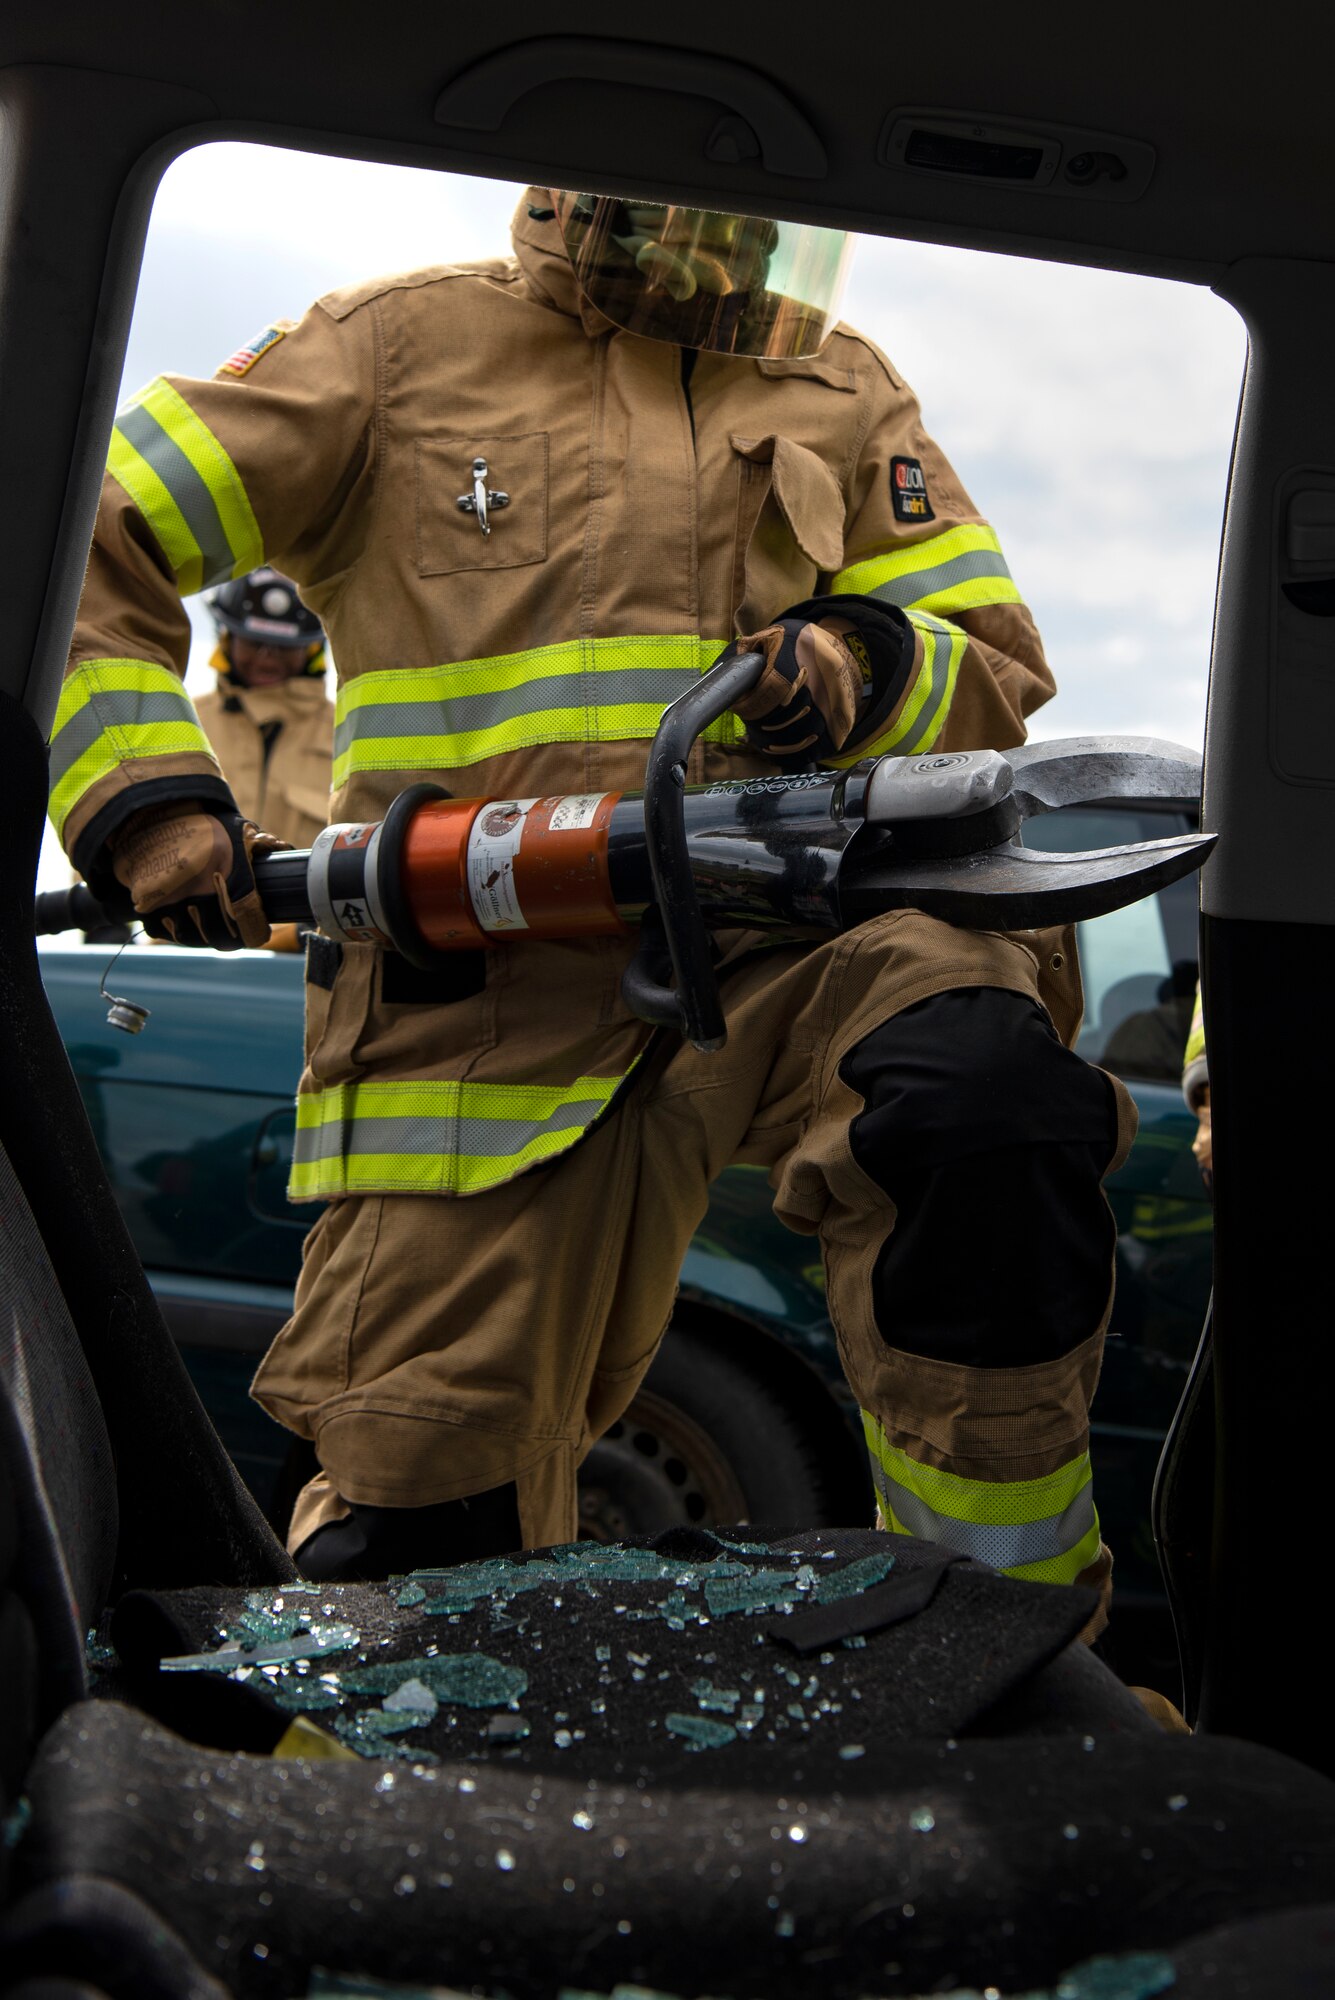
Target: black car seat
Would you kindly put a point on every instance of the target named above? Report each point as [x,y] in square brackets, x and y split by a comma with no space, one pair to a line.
[163,1442]
[746,1762]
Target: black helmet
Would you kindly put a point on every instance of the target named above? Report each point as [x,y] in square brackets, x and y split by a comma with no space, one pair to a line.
[263,606]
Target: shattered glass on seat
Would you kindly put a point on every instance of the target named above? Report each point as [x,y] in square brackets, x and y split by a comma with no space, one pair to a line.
[621,1655]
[1128,1976]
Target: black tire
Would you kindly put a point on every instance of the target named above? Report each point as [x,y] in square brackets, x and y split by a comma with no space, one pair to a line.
[707,1441]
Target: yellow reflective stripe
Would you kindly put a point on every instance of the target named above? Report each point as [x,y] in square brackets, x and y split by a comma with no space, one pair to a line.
[94,677]
[575,691]
[155,739]
[407,1173]
[970,594]
[1064,1568]
[1051,1569]
[161,512]
[504,671]
[333,1103]
[192,436]
[1044,1529]
[113,712]
[923,716]
[560,725]
[436,1137]
[958,570]
[992,1502]
[1196,1039]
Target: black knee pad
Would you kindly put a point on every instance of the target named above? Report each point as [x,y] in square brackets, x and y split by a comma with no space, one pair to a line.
[991,1139]
[376,1542]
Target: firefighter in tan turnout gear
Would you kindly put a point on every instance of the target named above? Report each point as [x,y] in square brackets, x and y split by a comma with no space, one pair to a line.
[269,722]
[531,500]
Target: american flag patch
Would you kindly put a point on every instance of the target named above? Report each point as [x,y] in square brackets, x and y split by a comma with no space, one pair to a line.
[245,357]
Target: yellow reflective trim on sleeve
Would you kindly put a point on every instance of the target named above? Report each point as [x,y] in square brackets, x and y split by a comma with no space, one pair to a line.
[923,716]
[118,711]
[82,684]
[192,436]
[154,739]
[971,594]
[960,569]
[160,511]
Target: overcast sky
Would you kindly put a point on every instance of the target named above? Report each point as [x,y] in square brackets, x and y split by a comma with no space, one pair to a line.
[1089,414]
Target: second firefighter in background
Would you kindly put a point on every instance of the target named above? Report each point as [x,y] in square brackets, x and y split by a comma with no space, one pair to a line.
[269,721]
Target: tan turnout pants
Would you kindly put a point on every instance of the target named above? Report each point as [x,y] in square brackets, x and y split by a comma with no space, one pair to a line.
[441,1347]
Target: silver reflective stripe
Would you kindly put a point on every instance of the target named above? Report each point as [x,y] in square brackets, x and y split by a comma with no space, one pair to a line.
[919,584]
[463,714]
[937,642]
[187,489]
[1004,1546]
[428,1138]
[108,709]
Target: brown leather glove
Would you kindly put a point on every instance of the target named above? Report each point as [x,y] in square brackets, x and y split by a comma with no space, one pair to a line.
[188,872]
[833,667]
[1202,1145]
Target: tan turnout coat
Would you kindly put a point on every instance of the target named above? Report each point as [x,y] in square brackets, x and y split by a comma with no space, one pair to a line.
[647,525]
[284,788]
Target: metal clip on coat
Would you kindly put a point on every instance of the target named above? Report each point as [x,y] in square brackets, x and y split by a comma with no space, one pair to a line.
[482,497]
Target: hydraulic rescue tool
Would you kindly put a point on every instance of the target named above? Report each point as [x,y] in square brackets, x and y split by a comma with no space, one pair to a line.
[806,852]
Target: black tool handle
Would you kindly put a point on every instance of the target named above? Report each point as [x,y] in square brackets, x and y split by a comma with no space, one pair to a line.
[72,909]
[280,879]
[693,1005]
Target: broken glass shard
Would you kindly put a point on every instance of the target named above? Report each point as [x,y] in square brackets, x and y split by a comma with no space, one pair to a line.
[412,1697]
[723,1701]
[507,1729]
[700,1732]
[321,1639]
[852,1581]
[1135,1975]
[472,1680]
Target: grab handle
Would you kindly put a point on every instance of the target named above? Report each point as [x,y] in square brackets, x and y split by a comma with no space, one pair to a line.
[481,97]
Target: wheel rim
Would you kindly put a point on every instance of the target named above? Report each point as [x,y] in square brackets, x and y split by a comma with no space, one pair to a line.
[655,1468]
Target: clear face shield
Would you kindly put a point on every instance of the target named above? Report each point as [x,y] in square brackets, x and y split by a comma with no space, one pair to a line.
[731,284]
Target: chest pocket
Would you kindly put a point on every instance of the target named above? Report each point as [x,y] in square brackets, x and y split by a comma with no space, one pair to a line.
[790,527]
[449,540]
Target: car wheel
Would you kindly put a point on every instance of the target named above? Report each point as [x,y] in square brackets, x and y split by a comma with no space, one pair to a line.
[706,1441]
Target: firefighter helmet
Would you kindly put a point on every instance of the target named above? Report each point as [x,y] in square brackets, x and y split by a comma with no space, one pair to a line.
[698,277]
[263,606]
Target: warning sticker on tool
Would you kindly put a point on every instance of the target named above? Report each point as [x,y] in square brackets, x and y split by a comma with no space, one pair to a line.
[575,812]
[493,843]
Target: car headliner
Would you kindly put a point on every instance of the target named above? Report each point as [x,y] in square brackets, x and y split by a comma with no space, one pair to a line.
[1238,138]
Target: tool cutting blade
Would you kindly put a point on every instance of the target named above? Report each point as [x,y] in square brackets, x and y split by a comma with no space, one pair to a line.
[1086,770]
[1019,888]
